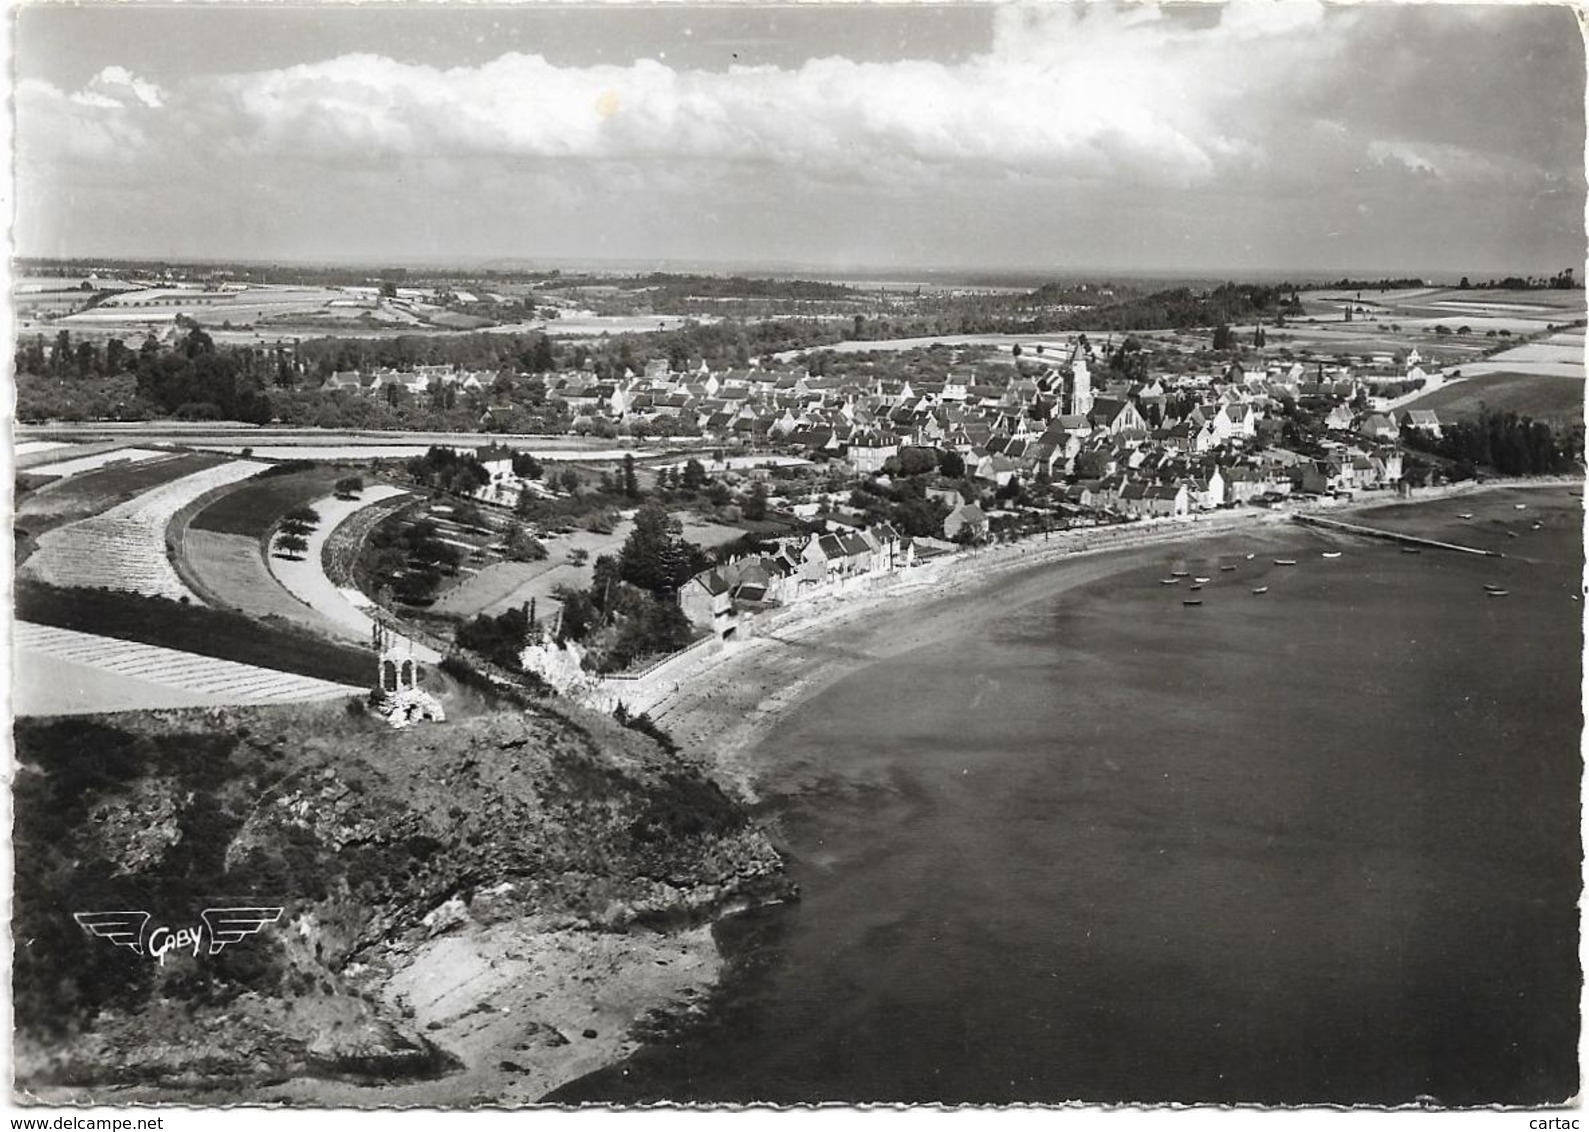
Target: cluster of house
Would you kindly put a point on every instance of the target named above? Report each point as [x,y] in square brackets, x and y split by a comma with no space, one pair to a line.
[800,567]
[416,380]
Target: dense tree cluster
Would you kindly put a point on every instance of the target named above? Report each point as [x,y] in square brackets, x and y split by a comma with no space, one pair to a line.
[498,639]
[1511,444]
[449,470]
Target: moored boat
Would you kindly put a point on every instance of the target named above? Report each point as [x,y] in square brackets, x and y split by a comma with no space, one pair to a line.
[1410,550]
[1261,590]
[1194,588]
[1496,593]
[1330,554]
[1285,561]
[1192,601]
[1169,581]
[1227,568]
[1199,581]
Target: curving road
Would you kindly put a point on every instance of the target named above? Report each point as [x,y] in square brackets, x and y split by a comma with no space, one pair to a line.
[305,578]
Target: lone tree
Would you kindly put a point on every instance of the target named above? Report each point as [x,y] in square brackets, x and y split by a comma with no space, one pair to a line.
[655,556]
[349,486]
[631,483]
[299,521]
[291,545]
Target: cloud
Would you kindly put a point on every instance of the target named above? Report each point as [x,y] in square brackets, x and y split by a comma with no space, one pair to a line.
[1290,106]
[1074,92]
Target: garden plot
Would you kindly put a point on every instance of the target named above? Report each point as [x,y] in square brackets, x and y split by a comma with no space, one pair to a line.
[105,674]
[99,460]
[125,548]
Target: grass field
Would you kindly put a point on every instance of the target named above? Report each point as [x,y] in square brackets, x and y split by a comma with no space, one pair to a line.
[255,506]
[228,570]
[1527,394]
[191,628]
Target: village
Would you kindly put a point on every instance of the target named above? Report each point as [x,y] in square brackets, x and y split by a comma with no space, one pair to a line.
[877,474]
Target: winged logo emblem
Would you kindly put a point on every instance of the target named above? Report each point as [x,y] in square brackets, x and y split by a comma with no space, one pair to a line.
[232,925]
[124,929]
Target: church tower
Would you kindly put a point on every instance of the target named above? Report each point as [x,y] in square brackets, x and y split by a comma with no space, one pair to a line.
[1080,383]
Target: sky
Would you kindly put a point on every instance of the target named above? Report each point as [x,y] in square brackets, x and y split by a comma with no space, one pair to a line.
[1268,135]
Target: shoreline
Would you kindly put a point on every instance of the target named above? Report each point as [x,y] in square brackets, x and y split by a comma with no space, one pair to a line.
[728,702]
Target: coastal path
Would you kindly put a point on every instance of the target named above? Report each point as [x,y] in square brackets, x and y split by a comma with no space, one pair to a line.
[305,578]
[64,672]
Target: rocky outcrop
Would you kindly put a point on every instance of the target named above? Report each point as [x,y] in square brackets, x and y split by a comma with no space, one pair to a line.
[374,843]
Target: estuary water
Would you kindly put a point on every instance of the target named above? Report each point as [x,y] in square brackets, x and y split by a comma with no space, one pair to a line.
[1319,844]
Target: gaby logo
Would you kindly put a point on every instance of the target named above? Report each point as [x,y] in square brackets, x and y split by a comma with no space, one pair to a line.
[217,928]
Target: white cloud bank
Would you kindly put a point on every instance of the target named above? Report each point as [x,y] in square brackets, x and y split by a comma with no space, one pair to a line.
[1079,98]
[1085,92]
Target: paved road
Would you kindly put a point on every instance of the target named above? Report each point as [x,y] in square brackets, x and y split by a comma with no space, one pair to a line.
[64,672]
[306,578]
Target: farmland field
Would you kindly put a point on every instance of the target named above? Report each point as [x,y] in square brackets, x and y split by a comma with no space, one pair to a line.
[255,506]
[124,548]
[37,447]
[80,464]
[220,634]
[1528,394]
[94,492]
[65,672]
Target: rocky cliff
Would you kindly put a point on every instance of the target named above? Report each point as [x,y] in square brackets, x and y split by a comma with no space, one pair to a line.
[427,878]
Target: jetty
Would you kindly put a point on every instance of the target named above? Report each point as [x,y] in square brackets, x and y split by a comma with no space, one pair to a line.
[1390,536]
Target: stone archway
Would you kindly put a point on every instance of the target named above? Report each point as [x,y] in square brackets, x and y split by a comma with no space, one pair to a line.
[388,676]
[408,674]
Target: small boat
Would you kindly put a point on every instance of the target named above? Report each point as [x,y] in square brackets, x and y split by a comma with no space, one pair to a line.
[1169,581]
[1330,554]
[1177,573]
[1520,506]
[1285,561]
[1227,569]
[1496,593]
[1192,601]
[1411,550]
[1194,587]
[1465,515]
[1493,588]
[1250,557]
[1261,590]
[1199,581]
[1537,526]
[1511,534]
